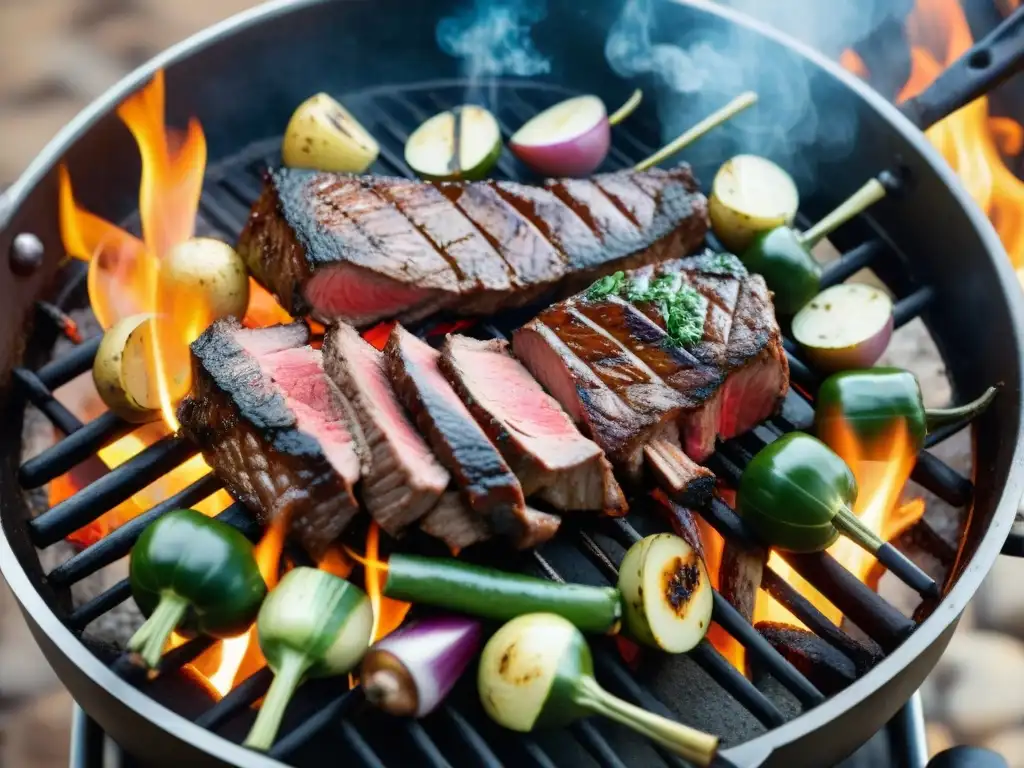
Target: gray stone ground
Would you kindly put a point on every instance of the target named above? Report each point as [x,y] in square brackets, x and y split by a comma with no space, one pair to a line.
[57,55]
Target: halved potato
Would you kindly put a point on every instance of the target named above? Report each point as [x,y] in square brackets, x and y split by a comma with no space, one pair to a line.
[211,271]
[122,370]
[323,135]
[750,195]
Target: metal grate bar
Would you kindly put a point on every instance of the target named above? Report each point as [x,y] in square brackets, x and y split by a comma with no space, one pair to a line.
[877,618]
[906,309]
[118,543]
[535,753]
[738,686]
[317,722]
[732,621]
[360,748]
[812,618]
[41,397]
[945,482]
[88,612]
[109,490]
[942,434]
[79,445]
[418,736]
[851,262]
[74,363]
[469,735]
[596,744]
[241,697]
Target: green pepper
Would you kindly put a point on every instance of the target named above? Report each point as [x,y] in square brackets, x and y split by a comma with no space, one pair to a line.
[193,574]
[870,402]
[783,255]
[796,494]
[792,491]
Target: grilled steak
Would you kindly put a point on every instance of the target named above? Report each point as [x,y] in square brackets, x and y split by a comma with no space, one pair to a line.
[611,365]
[548,454]
[361,249]
[274,428]
[488,485]
[404,480]
[458,526]
[455,524]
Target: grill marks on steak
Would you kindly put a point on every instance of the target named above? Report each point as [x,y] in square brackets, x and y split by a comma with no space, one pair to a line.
[404,480]
[609,363]
[367,248]
[273,428]
[541,444]
[488,484]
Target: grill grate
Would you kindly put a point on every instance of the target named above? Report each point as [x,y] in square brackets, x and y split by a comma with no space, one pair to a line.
[229,190]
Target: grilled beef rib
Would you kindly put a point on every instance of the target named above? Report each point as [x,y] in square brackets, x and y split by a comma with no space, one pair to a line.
[611,365]
[274,429]
[363,248]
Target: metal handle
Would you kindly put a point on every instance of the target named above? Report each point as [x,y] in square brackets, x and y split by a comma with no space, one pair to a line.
[997,57]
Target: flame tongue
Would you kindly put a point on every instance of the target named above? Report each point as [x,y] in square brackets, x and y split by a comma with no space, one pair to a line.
[970,140]
[172,169]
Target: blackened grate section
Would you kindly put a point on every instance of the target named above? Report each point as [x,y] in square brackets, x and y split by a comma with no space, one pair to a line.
[458,733]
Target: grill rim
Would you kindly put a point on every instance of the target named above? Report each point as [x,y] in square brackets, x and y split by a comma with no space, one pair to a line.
[928,640]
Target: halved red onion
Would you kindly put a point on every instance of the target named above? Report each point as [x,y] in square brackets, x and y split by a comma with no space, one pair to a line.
[409,672]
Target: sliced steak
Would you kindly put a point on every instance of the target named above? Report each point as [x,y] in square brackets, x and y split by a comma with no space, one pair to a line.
[548,454]
[362,249]
[455,524]
[404,480]
[459,527]
[488,485]
[610,364]
[274,428]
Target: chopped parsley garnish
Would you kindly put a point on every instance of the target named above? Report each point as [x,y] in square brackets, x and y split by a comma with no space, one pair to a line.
[681,306]
[727,264]
[606,286]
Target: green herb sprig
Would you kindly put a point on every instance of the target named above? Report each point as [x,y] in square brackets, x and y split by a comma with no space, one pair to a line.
[682,307]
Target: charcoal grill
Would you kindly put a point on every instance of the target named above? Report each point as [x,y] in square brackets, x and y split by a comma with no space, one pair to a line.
[929,244]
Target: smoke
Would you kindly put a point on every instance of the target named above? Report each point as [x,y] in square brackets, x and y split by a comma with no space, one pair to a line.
[698,70]
[492,37]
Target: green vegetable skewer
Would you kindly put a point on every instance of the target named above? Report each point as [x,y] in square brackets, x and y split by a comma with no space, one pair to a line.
[796,495]
[493,594]
[783,255]
[537,671]
[194,574]
[313,624]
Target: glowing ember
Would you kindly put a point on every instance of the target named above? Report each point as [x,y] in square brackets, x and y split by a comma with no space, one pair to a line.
[970,140]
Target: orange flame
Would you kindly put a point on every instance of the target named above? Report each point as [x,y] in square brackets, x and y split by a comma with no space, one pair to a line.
[970,140]
[881,469]
[388,614]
